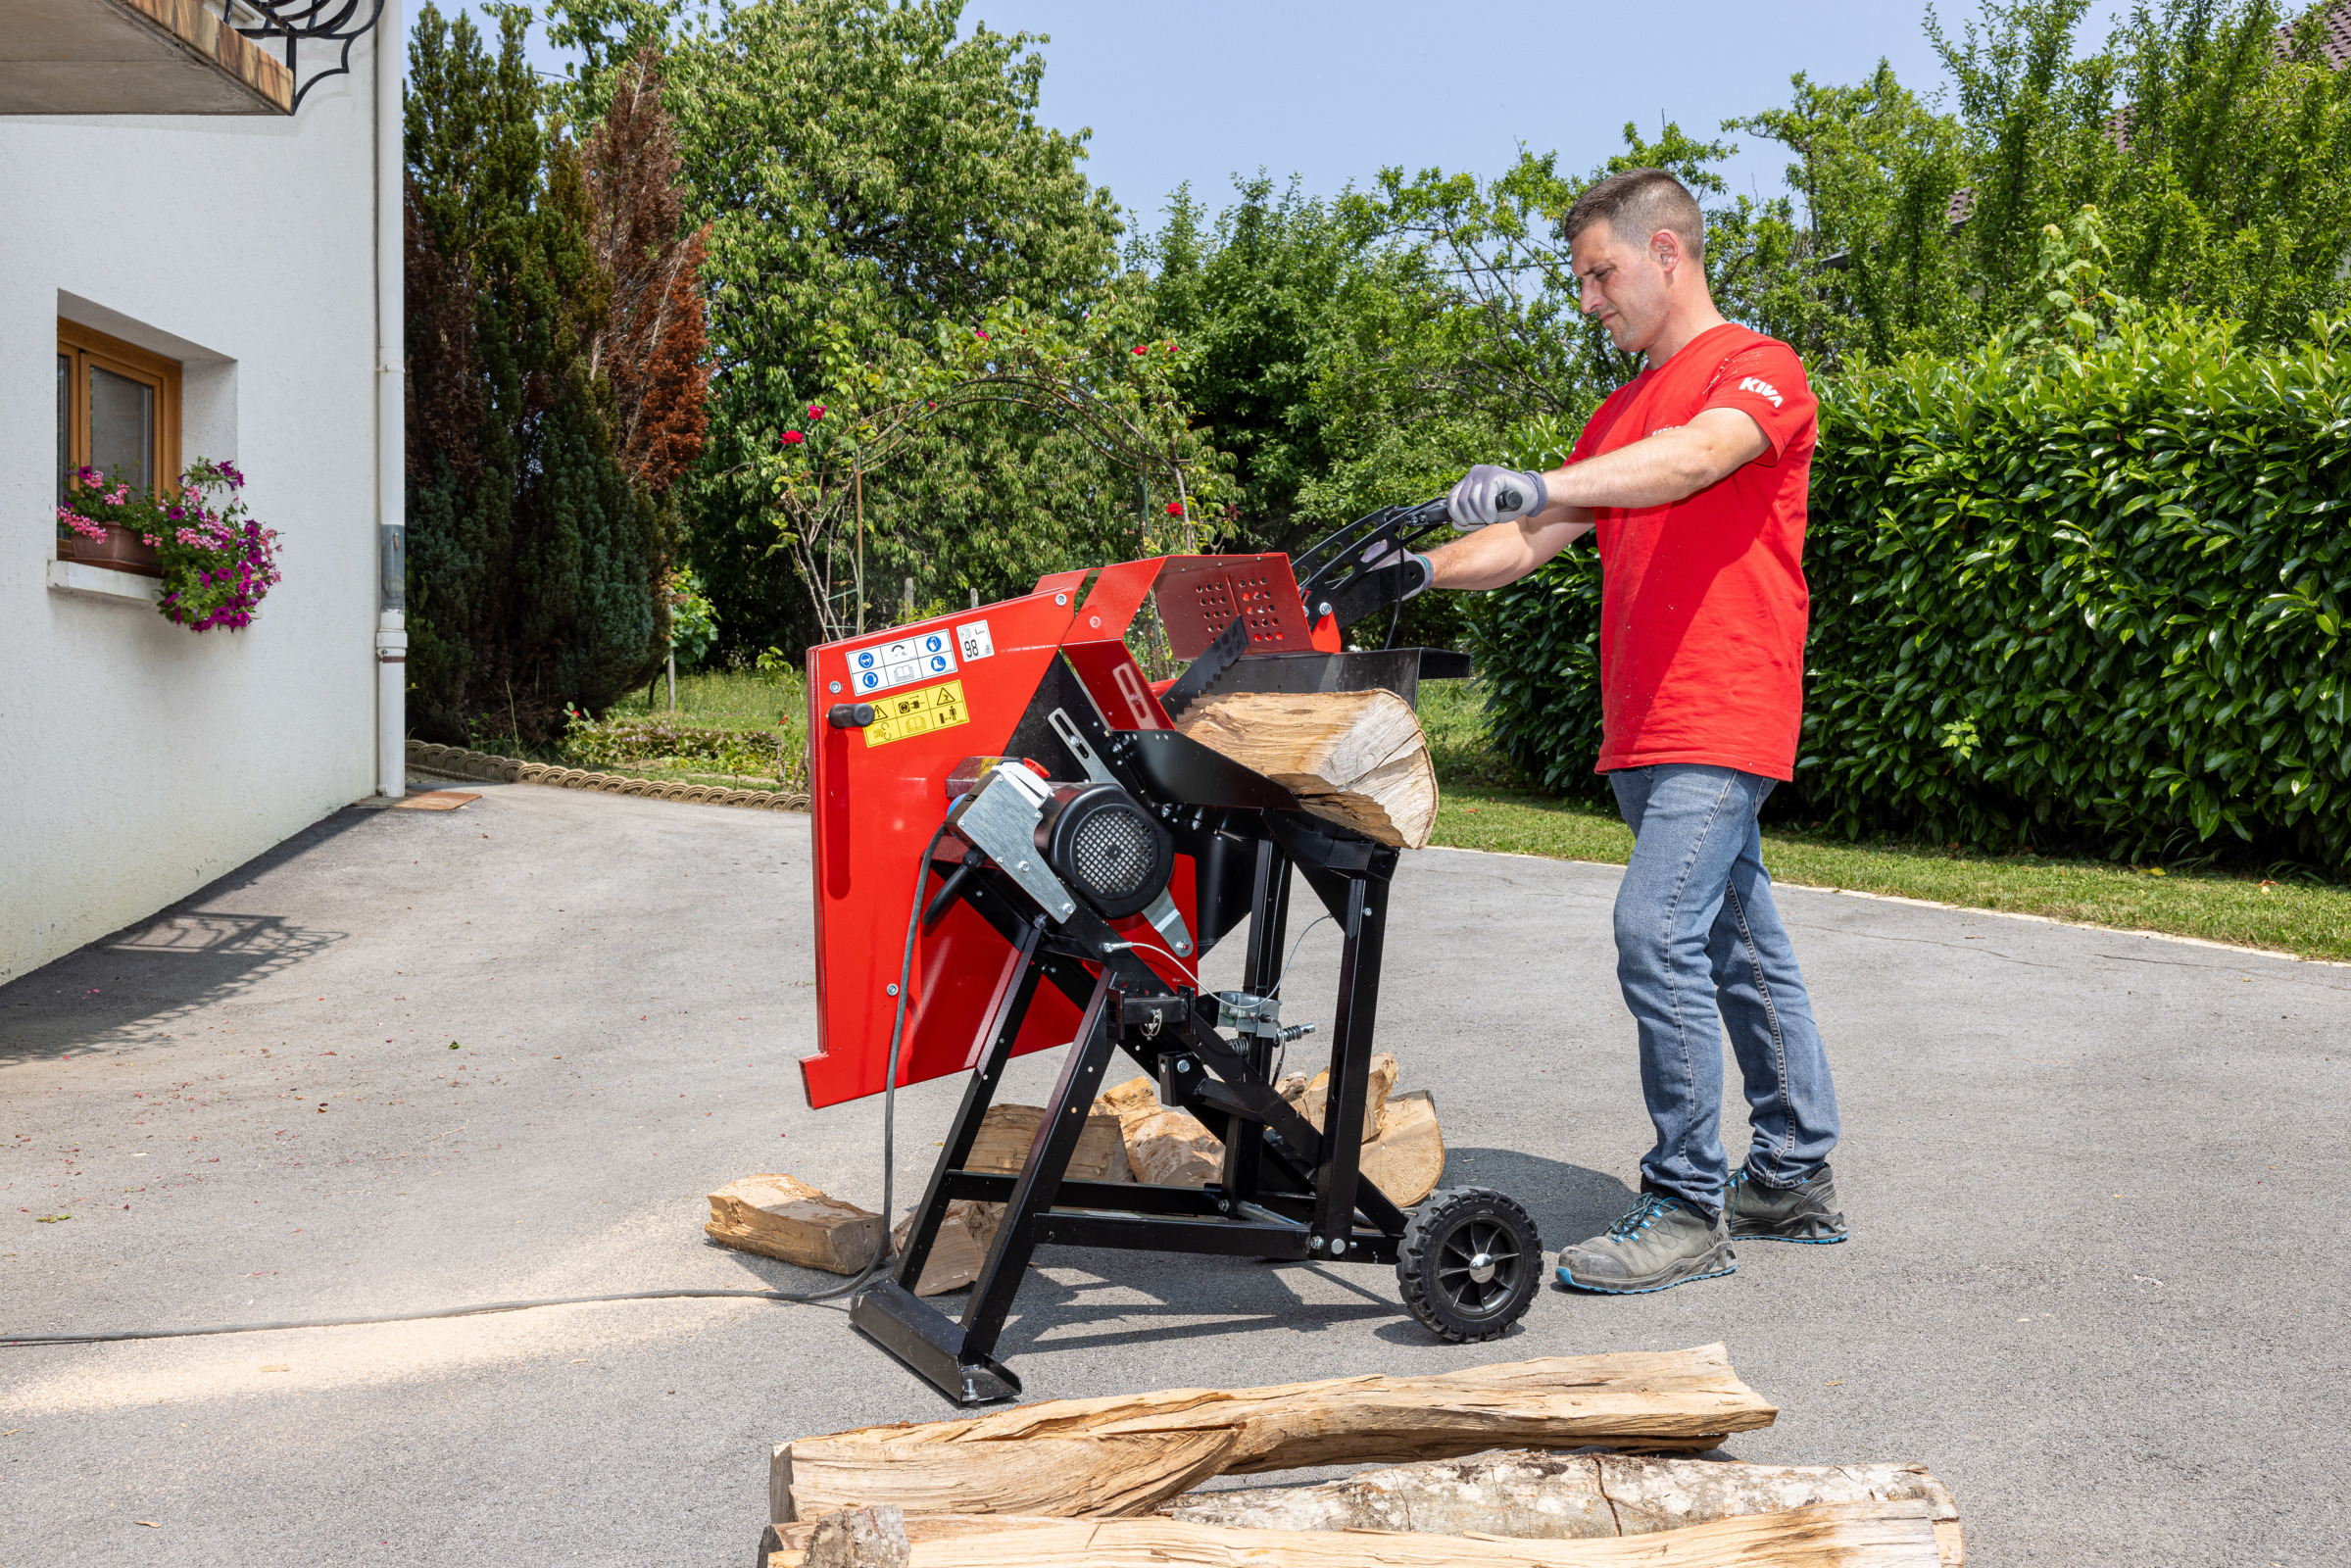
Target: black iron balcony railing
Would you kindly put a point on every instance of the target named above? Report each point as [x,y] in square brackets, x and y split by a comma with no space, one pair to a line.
[299,21]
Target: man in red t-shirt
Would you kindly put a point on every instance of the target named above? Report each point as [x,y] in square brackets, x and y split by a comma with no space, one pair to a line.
[1693,477]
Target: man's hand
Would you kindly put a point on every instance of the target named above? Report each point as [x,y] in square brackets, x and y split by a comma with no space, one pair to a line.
[1487,495]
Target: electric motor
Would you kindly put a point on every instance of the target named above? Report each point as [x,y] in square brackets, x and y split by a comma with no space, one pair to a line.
[1105,847]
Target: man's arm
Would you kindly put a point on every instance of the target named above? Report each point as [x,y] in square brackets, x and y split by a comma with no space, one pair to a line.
[1668,466]
[1658,470]
[1507,551]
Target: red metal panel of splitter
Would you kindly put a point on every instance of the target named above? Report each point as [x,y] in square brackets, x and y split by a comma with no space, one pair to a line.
[878,794]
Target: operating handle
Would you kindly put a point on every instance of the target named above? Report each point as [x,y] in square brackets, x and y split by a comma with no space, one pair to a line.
[1335,577]
[849,716]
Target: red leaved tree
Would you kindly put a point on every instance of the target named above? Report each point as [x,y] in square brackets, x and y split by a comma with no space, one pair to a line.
[651,348]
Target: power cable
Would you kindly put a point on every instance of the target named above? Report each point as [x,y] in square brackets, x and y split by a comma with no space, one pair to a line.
[883,1254]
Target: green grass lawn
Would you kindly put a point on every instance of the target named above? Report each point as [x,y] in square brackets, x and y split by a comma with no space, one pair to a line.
[766,711]
[1486,806]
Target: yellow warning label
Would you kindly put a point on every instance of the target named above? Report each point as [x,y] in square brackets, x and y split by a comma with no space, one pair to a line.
[906,714]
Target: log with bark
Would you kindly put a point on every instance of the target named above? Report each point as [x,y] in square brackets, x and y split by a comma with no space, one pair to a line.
[781,1216]
[1357,759]
[1128,1453]
[857,1537]
[1836,1535]
[1571,1497]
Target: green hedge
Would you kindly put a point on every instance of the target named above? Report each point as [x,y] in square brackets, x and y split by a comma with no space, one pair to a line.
[2093,600]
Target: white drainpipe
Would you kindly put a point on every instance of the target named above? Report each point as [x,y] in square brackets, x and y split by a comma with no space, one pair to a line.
[391,619]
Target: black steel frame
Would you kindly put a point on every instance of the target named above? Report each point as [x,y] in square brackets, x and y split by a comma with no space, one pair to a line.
[1284,1192]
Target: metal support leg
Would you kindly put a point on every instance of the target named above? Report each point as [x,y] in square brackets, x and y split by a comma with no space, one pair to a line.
[1041,1178]
[992,1047]
[1243,1173]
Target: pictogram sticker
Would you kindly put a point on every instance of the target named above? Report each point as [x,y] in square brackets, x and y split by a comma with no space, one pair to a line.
[879,667]
[917,713]
[973,636]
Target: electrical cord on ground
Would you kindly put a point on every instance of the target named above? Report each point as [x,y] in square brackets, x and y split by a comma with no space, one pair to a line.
[883,1255]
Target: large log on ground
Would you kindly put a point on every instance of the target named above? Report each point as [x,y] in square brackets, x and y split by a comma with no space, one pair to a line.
[1841,1534]
[781,1216]
[1357,759]
[1127,1453]
[1571,1497]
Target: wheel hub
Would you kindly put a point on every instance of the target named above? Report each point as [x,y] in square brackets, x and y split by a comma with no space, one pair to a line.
[1481,1267]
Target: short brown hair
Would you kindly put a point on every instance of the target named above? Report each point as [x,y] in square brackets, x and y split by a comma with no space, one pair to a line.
[1634,205]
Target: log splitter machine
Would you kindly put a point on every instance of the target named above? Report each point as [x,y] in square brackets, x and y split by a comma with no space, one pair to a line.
[1078,857]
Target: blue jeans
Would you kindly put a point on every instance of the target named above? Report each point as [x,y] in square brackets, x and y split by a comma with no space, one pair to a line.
[1697,932]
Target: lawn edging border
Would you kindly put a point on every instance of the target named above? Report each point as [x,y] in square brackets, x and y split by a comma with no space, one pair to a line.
[456,762]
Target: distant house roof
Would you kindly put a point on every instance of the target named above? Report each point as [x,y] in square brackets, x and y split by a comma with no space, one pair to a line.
[2335,35]
[2334,47]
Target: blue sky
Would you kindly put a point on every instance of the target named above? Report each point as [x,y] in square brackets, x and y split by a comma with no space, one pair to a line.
[1199,90]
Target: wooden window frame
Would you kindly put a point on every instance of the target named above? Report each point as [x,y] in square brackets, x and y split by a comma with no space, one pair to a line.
[87,347]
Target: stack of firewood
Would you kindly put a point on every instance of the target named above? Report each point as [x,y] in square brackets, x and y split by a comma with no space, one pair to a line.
[1108,1481]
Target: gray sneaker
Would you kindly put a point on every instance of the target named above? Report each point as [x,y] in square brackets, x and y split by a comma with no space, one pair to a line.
[1806,1213]
[1660,1243]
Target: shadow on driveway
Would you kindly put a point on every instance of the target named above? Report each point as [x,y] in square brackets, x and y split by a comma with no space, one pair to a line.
[123,989]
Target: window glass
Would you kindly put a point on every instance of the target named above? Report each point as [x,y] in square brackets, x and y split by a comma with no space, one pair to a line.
[121,428]
[65,422]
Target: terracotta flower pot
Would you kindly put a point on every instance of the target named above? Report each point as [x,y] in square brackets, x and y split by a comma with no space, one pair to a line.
[121,550]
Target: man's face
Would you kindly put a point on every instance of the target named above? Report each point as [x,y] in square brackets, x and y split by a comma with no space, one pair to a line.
[1623,285]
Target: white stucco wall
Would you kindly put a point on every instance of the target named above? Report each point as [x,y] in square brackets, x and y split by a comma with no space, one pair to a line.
[139,761]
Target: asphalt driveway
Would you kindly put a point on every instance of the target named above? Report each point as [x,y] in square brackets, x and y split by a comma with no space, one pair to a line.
[2097,1283]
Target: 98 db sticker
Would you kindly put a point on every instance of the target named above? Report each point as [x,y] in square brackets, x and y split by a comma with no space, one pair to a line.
[917,713]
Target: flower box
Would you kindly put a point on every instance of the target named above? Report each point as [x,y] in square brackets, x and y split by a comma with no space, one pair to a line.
[121,550]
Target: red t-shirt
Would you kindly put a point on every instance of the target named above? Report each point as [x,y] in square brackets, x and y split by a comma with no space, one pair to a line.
[1702,604]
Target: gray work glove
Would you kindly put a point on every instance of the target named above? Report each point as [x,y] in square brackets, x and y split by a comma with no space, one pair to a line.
[1487,495]
[1419,570]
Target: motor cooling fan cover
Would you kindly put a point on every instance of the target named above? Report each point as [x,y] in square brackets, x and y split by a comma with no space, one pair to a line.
[1106,848]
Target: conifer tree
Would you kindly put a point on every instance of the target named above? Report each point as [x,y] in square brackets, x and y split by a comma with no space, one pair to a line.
[552,399]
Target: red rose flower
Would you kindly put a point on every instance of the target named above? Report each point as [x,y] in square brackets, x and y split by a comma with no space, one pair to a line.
[1175,508]
[793,438]
[1141,348]
[815,411]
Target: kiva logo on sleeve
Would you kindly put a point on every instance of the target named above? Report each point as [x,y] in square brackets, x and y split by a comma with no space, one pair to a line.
[1762,389]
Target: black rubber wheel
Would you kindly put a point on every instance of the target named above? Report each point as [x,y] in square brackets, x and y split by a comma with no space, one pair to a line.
[1468,1263]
